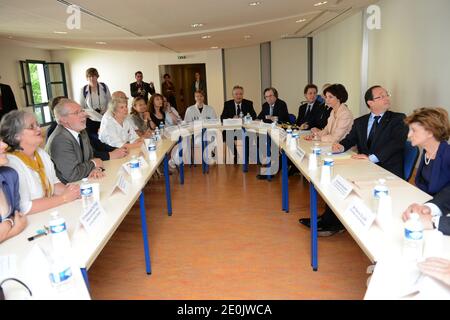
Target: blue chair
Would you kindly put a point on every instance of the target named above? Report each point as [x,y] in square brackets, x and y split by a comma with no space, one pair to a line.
[409,160]
[292,118]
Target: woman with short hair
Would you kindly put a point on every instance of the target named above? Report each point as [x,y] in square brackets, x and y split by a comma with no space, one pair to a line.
[39,187]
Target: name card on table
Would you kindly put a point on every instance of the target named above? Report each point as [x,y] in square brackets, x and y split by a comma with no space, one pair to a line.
[142,162]
[232,122]
[122,184]
[93,217]
[359,215]
[343,187]
[212,122]
[300,153]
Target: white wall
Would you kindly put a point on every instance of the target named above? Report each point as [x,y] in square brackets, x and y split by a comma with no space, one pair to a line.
[289,67]
[337,58]
[10,54]
[410,54]
[117,68]
[243,67]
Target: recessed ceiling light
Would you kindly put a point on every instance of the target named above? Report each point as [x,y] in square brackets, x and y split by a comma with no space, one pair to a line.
[215,47]
[320,3]
[60,32]
[100,42]
[300,20]
[206,36]
[254,4]
[247,37]
[197,25]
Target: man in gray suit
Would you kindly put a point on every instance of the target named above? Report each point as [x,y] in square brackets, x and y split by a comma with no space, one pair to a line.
[69,145]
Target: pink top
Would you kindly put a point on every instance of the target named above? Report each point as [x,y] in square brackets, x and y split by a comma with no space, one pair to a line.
[338,126]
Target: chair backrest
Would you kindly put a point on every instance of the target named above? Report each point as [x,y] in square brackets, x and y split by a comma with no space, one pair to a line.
[409,160]
[292,118]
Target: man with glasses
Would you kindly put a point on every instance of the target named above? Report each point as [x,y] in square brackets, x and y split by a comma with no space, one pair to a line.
[274,108]
[69,145]
[379,136]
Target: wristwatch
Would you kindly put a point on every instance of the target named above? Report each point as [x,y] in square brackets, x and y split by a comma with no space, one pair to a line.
[11,221]
[435,221]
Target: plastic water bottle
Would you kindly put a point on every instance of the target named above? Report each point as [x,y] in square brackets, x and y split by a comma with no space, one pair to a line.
[161,128]
[157,134]
[152,150]
[135,170]
[60,269]
[241,115]
[248,119]
[413,238]
[314,157]
[293,141]
[87,194]
[380,190]
[288,136]
[327,171]
[58,233]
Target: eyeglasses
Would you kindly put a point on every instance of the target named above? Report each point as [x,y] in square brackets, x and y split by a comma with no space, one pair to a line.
[33,126]
[269,96]
[77,113]
[382,97]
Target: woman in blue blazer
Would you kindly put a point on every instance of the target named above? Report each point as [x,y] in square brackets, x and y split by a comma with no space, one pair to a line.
[12,222]
[429,128]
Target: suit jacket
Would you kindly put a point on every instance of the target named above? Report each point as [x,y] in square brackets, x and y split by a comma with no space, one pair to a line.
[440,173]
[229,109]
[146,86]
[8,100]
[280,110]
[323,120]
[314,116]
[388,143]
[442,200]
[201,86]
[65,152]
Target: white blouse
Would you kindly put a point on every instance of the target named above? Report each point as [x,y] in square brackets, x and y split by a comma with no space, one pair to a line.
[30,187]
[116,135]
[193,113]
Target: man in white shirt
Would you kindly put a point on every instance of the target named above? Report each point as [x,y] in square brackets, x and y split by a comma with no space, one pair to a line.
[69,145]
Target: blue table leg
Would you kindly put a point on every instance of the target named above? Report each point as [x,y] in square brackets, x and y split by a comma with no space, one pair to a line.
[313,208]
[85,277]
[166,175]
[244,151]
[269,155]
[285,182]
[148,266]
[203,150]
[180,148]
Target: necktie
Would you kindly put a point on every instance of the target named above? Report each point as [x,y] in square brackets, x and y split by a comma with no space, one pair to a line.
[308,111]
[81,146]
[373,130]
[238,111]
[271,111]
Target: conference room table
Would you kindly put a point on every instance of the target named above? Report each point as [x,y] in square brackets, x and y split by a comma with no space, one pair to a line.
[85,245]
[381,240]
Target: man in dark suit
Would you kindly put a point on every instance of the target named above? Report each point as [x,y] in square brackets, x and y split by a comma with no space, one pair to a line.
[141,88]
[198,84]
[7,100]
[273,107]
[310,112]
[232,108]
[433,214]
[380,137]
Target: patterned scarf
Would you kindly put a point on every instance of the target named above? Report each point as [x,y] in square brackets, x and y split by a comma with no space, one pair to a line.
[36,165]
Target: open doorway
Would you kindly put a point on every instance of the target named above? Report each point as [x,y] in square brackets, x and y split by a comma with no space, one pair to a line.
[183,79]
